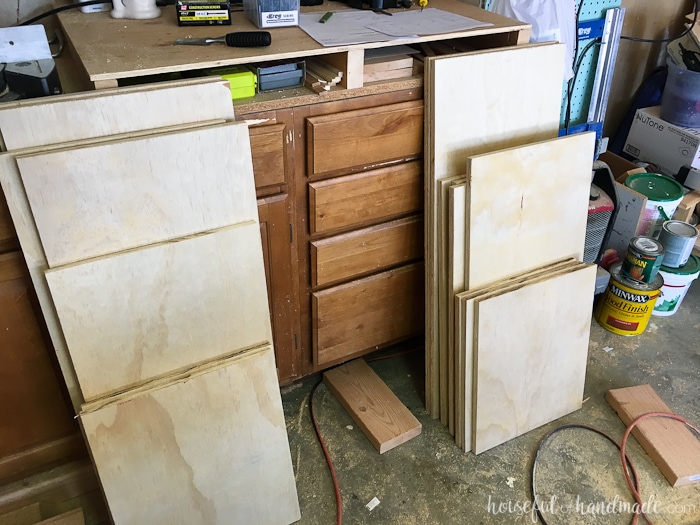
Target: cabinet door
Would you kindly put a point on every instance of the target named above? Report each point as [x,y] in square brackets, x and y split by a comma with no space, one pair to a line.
[36,424]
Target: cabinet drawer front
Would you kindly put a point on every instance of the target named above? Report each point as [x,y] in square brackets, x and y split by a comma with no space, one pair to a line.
[365,197]
[364,251]
[363,138]
[267,149]
[366,313]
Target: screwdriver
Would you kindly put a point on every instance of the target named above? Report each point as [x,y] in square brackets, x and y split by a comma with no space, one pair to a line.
[422,4]
[238,39]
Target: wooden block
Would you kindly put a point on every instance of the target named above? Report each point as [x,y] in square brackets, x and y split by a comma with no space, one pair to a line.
[210,448]
[28,515]
[535,214]
[533,372]
[357,316]
[104,198]
[389,74]
[145,313]
[383,418]
[687,206]
[42,121]
[379,64]
[672,446]
[73,517]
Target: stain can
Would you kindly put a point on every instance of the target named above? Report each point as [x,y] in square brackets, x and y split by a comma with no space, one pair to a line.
[643,259]
[625,307]
[678,238]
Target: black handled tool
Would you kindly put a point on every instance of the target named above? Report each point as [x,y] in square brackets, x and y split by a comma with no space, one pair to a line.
[238,39]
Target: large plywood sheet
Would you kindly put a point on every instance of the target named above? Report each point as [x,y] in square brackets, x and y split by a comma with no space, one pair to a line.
[43,121]
[527,206]
[209,450]
[533,372]
[147,312]
[478,102]
[103,198]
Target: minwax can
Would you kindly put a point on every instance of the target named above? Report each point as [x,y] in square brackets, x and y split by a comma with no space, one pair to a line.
[626,305]
[643,259]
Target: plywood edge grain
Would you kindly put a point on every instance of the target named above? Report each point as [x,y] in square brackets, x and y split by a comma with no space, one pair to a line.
[670,444]
[383,418]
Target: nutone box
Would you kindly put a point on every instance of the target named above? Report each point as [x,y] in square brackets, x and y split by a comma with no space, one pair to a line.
[272,13]
[654,140]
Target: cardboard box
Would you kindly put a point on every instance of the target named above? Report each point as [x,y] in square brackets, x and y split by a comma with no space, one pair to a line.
[654,140]
[272,13]
[621,168]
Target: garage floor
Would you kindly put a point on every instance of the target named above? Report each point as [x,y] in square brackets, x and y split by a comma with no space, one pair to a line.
[428,480]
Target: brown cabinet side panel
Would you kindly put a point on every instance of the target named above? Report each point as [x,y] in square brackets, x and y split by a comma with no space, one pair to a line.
[363,138]
[357,200]
[364,251]
[267,148]
[364,314]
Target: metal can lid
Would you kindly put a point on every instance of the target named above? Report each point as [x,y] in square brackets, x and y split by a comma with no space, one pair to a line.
[655,186]
[680,229]
[647,245]
[689,268]
[616,273]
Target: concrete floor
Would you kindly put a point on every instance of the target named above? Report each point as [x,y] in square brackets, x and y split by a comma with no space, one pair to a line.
[428,480]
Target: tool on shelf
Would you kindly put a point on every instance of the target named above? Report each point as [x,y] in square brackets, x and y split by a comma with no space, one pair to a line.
[237,39]
[423,4]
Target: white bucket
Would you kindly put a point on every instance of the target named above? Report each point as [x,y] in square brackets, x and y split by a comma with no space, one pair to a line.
[676,284]
[661,192]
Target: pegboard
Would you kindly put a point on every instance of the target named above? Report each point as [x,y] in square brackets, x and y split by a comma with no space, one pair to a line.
[581,94]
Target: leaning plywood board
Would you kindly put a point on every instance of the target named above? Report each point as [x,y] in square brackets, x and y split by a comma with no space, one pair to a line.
[211,449]
[527,206]
[73,517]
[478,102]
[464,339]
[34,253]
[147,312]
[104,198]
[383,418]
[671,445]
[42,121]
[533,372]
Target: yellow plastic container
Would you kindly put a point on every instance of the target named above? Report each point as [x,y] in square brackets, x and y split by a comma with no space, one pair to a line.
[242,80]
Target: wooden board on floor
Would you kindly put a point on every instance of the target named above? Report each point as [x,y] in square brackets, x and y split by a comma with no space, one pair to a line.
[210,449]
[73,517]
[464,339]
[104,198]
[144,313]
[673,447]
[383,418]
[478,102]
[42,121]
[527,206]
[533,372]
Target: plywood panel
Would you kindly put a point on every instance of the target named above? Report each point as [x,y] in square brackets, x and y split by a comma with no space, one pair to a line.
[381,415]
[42,121]
[527,206]
[533,372]
[368,197]
[366,250]
[147,312]
[103,198]
[359,315]
[209,450]
[478,102]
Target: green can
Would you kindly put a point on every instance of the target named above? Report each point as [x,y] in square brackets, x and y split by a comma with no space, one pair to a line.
[643,259]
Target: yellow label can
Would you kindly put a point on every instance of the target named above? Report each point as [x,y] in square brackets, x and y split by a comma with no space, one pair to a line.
[626,305]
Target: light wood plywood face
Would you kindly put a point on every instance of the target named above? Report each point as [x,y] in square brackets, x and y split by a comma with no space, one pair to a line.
[209,450]
[141,314]
[40,122]
[475,103]
[533,372]
[104,198]
[526,207]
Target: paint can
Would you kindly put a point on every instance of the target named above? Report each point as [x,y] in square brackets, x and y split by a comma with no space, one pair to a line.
[676,284]
[663,195]
[625,307]
[678,238]
[643,259]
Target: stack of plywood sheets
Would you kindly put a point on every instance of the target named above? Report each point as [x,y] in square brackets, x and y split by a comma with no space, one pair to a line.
[476,102]
[148,244]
